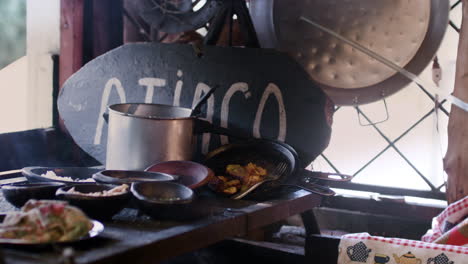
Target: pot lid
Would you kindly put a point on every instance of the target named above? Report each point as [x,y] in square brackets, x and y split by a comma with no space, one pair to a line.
[395,29]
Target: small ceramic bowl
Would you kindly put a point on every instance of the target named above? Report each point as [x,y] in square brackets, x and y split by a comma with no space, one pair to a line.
[19,193]
[96,207]
[191,174]
[128,177]
[164,200]
[76,174]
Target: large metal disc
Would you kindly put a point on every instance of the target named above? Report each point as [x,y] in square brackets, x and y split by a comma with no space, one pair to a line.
[405,32]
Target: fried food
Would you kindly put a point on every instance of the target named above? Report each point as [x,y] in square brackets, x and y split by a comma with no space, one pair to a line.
[237,171]
[238,178]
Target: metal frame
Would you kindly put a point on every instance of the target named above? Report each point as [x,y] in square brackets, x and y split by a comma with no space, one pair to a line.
[435,191]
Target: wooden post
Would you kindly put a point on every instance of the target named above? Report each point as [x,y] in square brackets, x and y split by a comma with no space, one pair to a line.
[456,158]
[107,26]
[71,38]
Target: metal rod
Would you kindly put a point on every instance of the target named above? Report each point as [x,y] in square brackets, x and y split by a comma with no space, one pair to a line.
[433,99]
[455,5]
[394,141]
[441,107]
[330,163]
[442,185]
[3,173]
[387,190]
[397,150]
[411,76]
[454,26]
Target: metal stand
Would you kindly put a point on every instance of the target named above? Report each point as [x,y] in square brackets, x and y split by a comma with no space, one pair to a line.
[226,14]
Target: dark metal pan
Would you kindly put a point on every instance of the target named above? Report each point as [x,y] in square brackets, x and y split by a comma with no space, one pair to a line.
[279,159]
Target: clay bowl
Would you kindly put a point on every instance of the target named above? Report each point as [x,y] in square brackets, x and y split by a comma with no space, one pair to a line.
[164,200]
[128,177]
[96,207]
[19,193]
[34,174]
[191,174]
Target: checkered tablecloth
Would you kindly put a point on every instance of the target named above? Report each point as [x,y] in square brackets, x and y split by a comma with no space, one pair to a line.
[364,248]
[453,214]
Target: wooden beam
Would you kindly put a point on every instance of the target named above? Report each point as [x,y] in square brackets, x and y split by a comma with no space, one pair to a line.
[107,26]
[71,38]
[456,158]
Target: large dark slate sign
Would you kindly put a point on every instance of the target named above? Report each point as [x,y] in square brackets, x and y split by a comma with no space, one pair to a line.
[263,93]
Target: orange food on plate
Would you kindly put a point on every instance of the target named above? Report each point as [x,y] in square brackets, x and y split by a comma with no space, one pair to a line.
[238,178]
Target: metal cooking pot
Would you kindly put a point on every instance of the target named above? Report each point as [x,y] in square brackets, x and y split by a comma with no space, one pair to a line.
[143,134]
[140,135]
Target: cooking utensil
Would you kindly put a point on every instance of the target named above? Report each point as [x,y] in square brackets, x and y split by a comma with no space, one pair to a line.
[164,200]
[406,32]
[144,134]
[97,207]
[77,174]
[202,101]
[429,86]
[312,185]
[191,174]
[272,176]
[268,154]
[128,177]
[19,193]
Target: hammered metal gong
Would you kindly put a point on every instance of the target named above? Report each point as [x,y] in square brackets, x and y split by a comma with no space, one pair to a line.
[407,32]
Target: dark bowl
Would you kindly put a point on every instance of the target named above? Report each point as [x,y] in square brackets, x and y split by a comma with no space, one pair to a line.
[33,174]
[96,207]
[128,177]
[19,193]
[164,200]
[191,174]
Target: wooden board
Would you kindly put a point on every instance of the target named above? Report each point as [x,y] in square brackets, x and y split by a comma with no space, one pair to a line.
[134,238]
[262,93]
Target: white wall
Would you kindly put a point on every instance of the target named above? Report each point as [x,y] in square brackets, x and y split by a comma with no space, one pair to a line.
[13,84]
[43,40]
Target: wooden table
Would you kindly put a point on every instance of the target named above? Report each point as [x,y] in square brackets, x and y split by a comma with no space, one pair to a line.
[132,237]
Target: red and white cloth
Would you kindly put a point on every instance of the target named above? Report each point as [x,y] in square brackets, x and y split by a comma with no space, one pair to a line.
[364,248]
[454,213]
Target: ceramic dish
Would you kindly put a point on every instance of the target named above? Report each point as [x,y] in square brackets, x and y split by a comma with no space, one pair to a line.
[97,229]
[72,174]
[97,207]
[19,193]
[164,200]
[191,174]
[127,176]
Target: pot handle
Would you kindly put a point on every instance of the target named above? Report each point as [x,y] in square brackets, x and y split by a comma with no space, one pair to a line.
[313,176]
[106,117]
[312,187]
[203,126]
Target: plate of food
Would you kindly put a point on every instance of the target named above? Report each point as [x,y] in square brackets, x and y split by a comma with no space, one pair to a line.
[60,174]
[45,222]
[238,178]
[245,166]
